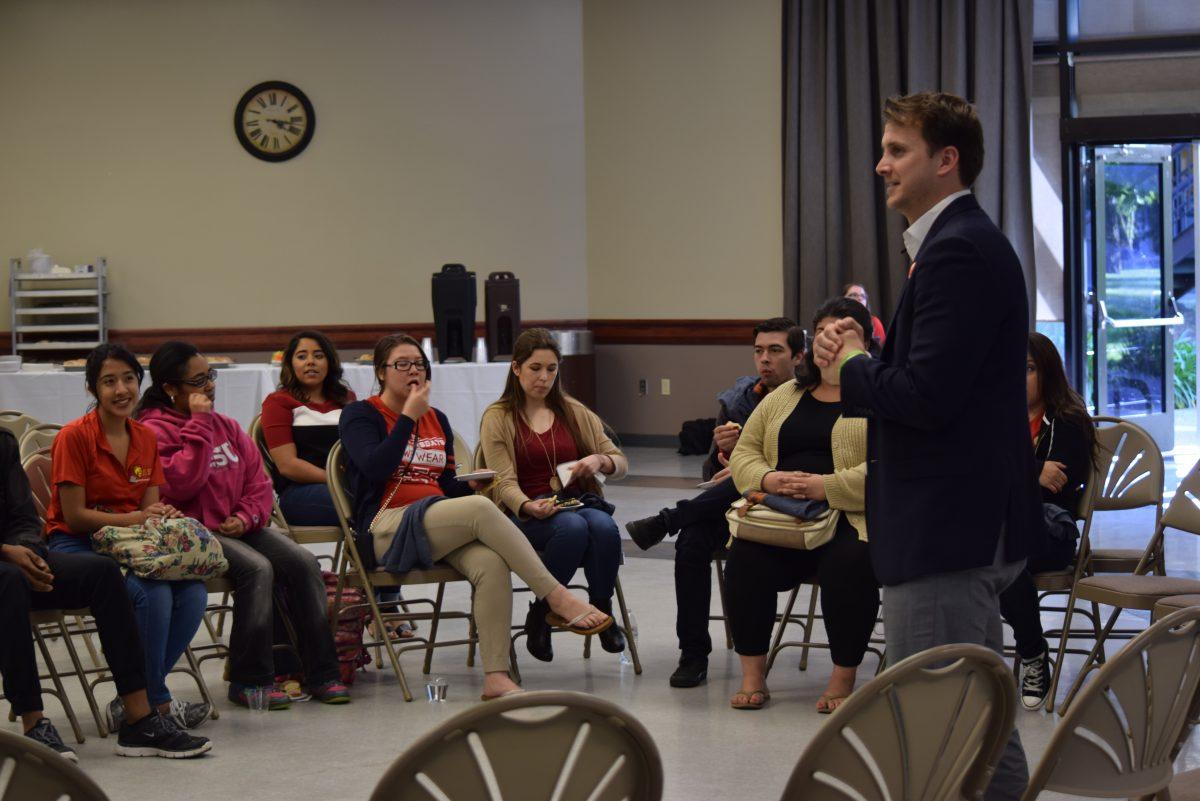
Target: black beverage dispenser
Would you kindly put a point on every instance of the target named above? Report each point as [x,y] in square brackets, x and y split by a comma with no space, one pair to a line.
[454,312]
[502,314]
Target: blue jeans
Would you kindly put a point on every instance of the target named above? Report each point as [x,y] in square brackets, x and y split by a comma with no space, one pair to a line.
[572,539]
[168,614]
[308,505]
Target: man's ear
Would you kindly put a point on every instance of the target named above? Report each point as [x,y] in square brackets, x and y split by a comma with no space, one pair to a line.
[948,162]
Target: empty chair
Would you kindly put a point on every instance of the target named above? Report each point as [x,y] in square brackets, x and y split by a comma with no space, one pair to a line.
[17,422]
[553,745]
[37,438]
[930,728]
[30,771]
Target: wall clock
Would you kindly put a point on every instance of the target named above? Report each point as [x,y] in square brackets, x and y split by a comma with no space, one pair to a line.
[274,121]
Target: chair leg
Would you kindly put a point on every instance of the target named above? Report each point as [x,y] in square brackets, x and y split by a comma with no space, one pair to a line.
[514,672]
[1091,661]
[1061,657]
[389,646]
[1095,618]
[433,626]
[724,606]
[101,729]
[629,638]
[472,632]
[87,641]
[58,685]
[808,626]
[779,628]
[194,664]
[220,618]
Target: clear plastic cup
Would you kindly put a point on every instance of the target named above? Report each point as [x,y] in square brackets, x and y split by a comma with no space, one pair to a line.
[258,699]
[435,689]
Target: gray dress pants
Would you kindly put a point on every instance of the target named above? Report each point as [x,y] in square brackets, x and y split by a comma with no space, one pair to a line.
[960,607]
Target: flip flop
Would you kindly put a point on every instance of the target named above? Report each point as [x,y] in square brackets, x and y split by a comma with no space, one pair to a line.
[501,695]
[557,621]
[749,696]
[827,703]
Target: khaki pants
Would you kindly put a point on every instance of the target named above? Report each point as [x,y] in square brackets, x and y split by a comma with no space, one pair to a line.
[479,541]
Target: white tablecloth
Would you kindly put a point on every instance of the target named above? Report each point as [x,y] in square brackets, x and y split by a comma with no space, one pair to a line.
[462,391]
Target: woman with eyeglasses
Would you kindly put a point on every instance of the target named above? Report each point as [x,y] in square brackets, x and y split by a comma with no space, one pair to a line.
[400,471]
[215,474]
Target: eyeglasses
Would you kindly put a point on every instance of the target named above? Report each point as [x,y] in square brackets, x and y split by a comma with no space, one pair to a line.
[200,380]
[404,365]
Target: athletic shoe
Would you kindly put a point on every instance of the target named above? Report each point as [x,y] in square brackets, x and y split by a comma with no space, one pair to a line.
[44,732]
[114,715]
[1034,678]
[189,715]
[276,698]
[691,672]
[158,735]
[293,690]
[649,531]
[331,692]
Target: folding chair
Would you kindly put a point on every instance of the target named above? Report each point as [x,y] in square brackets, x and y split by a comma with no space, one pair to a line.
[36,438]
[352,572]
[1142,591]
[807,623]
[1119,737]
[930,728]
[29,771]
[560,745]
[17,423]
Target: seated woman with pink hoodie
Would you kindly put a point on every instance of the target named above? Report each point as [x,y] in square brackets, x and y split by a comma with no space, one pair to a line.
[215,474]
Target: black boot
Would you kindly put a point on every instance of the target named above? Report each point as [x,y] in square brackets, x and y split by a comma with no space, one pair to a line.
[612,639]
[649,531]
[691,672]
[537,632]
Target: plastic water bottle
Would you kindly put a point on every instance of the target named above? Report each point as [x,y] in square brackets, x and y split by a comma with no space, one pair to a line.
[630,636]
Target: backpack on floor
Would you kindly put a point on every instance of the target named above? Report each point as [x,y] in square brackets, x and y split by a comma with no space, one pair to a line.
[696,436]
[349,631]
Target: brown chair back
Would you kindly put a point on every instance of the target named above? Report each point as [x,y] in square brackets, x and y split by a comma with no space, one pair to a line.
[37,438]
[17,423]
[564,746]
[30,771]
[930,728]
[1129,466]
[37,470]
[1117,738]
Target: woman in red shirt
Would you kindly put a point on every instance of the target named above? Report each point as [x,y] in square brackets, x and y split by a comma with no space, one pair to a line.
[400,471]
[105,472]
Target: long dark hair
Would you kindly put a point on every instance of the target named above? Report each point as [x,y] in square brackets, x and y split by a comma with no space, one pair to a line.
[333,388]
[167,366]
[809,375]
[100,354]
[512,400]
[384,348]
[1058,398]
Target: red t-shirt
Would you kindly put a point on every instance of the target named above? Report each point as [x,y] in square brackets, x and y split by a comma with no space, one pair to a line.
[1035,428]
[425,459]
[81,455]
[536,456]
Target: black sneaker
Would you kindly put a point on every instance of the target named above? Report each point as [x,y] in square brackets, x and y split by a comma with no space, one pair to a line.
[691,672]
[158,735]
[1034,678]
[649,531]
[44,732]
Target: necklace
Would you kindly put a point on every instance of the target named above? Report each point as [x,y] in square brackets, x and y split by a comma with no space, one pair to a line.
[552,461]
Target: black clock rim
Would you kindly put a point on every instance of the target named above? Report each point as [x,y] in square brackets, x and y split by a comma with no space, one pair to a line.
[296,149]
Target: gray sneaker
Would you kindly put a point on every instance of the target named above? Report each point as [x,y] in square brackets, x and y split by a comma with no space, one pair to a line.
[44,732]
[189,715]
[114,715]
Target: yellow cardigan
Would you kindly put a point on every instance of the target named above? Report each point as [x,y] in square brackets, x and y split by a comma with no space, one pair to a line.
[757,453]
[497,451]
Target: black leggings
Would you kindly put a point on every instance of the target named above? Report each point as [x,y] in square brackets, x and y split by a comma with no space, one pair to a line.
[755,574]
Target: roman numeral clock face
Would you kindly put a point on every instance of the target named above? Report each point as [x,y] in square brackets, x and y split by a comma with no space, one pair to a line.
[274,121]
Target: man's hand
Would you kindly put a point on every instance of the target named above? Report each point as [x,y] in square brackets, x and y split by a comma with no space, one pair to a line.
[232,527]
[1054,476]
[36,571]
[726,436]
[827,346]
[851,334]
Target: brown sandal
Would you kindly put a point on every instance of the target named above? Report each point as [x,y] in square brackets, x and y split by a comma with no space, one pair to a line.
[827,703]
[559,622]
[763,694]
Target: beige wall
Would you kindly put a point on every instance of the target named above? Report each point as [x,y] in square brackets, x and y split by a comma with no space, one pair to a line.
[446,131]
[682,102]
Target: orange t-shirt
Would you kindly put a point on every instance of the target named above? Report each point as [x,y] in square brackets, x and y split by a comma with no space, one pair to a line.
[81,455]
[425,459]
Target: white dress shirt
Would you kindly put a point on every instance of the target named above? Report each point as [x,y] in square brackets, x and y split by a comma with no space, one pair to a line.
[916,233]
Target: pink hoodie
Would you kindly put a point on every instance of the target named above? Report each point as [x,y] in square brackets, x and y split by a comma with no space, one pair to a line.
[213,469]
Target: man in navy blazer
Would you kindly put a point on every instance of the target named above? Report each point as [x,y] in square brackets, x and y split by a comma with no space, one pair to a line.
[951,499]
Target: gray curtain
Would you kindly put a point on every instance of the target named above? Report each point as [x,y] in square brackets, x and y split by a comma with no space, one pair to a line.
[842,58]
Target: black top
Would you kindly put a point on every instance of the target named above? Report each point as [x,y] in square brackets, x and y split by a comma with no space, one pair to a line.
[804,442]
[949,457]
[19,522]
[1061,440]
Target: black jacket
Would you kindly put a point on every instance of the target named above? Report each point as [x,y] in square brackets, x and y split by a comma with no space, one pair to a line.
[1061,440]
[949,454]
[19,521]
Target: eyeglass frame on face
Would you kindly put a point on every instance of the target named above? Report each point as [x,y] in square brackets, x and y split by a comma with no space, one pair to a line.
[409,364]
[200,381]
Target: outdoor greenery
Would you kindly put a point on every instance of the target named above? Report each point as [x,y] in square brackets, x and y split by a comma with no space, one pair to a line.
[1185,374]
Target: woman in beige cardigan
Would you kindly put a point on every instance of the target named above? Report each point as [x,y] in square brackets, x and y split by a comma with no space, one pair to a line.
[525,436]
[797,444]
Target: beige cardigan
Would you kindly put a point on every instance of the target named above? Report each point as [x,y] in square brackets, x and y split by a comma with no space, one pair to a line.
[497,451]
[757,453]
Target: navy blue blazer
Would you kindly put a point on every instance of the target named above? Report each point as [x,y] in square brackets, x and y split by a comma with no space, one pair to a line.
[949,457]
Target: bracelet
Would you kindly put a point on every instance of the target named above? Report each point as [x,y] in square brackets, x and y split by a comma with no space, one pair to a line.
[849,356]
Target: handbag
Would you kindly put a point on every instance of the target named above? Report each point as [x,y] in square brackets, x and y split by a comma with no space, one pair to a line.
[757,522]
[173,549]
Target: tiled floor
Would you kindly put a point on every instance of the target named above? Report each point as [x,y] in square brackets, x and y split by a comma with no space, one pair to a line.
[709,751]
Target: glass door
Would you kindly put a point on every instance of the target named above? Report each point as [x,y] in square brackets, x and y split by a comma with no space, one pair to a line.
[1132,316]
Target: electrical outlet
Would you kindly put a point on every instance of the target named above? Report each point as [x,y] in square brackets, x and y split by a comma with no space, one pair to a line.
[666,386]
[641,387]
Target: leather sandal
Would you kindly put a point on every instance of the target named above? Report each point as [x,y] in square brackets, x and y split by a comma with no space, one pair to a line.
[763,695]
[501,695]
[827,703]
[557,621]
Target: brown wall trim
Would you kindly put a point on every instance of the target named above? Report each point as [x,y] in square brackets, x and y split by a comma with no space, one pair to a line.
[607,332]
